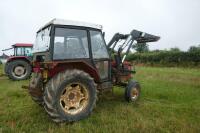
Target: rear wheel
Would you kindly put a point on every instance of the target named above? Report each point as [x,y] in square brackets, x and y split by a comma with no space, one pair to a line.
[70,96]
[6,68]
[19,70]
[132,91]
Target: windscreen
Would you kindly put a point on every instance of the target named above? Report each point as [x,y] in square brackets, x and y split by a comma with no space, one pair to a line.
[23,51]
[42,41]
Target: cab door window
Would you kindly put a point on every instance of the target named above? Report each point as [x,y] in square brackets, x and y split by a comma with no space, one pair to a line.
[28,51]
[99,49]
[100,54]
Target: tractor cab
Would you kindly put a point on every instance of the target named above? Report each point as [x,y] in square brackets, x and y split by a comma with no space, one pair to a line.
[22,49]
[77,45]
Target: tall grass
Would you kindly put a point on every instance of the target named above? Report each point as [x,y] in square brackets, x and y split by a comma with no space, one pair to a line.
[170,102]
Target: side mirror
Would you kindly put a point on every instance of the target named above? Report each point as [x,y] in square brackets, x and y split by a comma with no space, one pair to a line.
[103,34]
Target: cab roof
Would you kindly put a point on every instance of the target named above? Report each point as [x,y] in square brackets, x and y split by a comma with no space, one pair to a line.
[72,23]
[22,45]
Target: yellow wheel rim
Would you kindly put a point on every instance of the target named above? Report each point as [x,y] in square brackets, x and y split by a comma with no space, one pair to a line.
[134,93]
[74,98]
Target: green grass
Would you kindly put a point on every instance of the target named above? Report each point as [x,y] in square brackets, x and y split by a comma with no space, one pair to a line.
[170,102]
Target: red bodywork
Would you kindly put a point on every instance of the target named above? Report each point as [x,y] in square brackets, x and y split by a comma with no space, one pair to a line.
[52,68]
[58,66]
[121,76]
[17,57]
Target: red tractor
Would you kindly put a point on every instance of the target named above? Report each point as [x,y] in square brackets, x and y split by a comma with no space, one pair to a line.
[71,63]
[18,66]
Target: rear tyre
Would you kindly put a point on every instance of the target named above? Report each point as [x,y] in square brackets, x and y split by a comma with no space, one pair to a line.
[36,88]
[6,68]
[19,70]
[70,96]
[132,91]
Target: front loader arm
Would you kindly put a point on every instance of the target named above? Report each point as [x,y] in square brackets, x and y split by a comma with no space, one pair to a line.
[138,37]
[7,49]
[135,36]
[142,37]
[111,45]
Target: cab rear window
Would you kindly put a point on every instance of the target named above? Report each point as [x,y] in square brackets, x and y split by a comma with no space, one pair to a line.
[70,44]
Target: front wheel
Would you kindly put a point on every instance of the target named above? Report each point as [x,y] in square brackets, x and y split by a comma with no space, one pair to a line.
[132,91]
[70,96]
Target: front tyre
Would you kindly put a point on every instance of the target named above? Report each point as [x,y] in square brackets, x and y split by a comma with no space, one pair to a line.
[132,91]
[70,96]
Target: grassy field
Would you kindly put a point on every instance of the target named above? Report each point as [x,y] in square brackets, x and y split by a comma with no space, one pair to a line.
[170,102]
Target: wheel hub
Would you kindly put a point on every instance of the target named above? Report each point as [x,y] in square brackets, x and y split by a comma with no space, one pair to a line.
[74,98]
[134,93]
[19,70]
[71,96]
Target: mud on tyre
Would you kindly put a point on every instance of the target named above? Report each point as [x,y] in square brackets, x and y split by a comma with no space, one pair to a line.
[132,91]
[70,96]
[36,88]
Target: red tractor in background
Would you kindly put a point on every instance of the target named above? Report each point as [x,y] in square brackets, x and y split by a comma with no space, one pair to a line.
[18,66]
[71,63]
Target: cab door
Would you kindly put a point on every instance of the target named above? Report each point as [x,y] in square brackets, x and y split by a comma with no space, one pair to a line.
[100,54]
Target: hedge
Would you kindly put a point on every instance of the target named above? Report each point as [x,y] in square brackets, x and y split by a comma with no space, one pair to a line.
[166,58]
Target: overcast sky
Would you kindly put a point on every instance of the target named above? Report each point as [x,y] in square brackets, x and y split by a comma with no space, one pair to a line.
[176,21]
